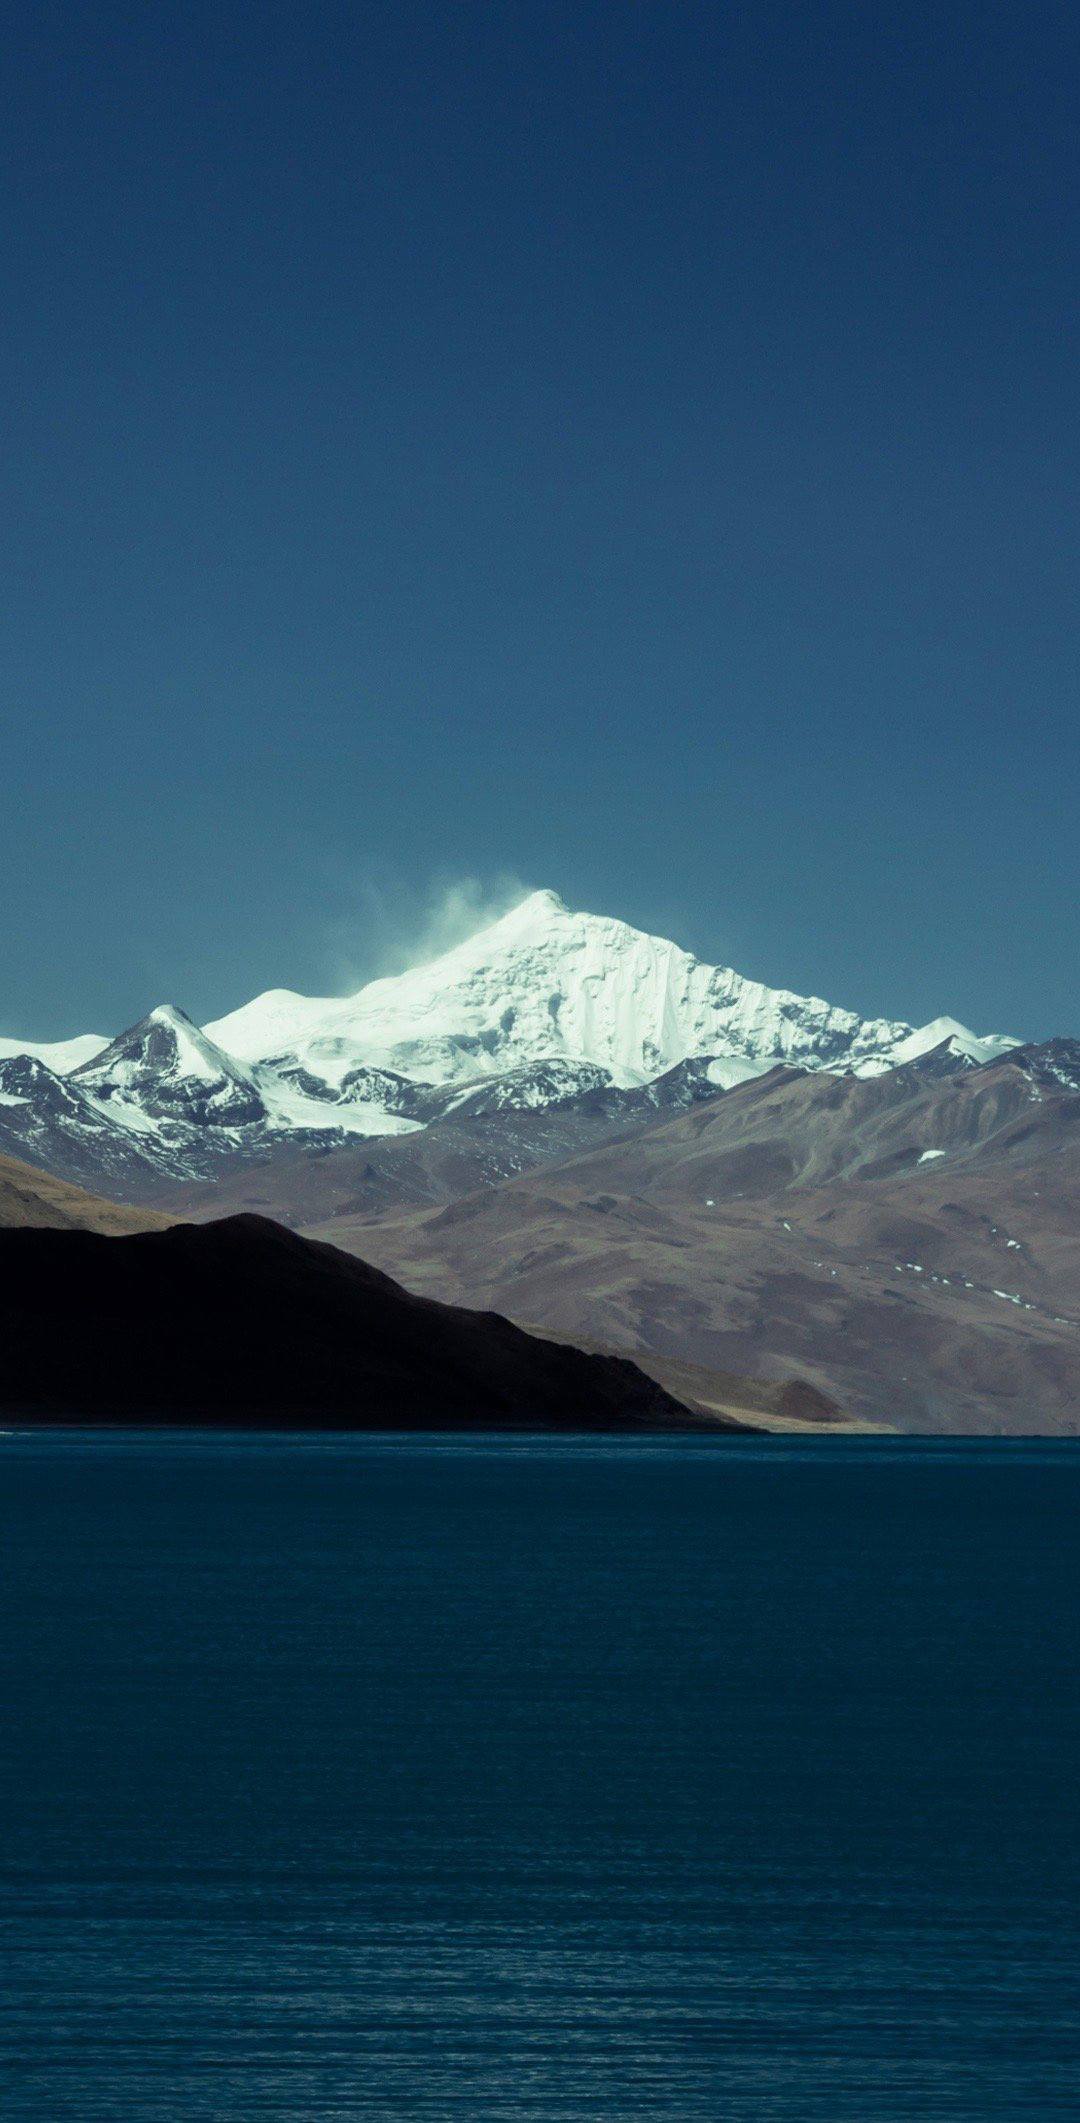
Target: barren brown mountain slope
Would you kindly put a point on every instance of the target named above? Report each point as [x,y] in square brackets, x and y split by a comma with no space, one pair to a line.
[909,1244]
[438,1164]
[29,1197]
[485,1139]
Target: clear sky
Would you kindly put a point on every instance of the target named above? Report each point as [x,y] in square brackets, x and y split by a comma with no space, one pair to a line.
[631,448]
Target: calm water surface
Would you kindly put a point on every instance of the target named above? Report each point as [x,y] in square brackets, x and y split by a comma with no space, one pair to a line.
[539,1780]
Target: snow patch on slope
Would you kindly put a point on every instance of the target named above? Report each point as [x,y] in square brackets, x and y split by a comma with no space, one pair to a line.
[289,1109]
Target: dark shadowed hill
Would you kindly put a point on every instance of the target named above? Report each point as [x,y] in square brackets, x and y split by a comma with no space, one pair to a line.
[241,1323]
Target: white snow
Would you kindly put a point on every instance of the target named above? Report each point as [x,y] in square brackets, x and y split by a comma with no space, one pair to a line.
[942,1031]
[928,1156]
[165,1045]
[543,982]
[541,988]
[288,1108]
[59,1055]
[727,1070]
[120,1081]
[194,1054]
[124,1113]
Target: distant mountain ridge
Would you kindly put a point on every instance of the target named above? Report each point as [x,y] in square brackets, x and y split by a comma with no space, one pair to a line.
[539,1010]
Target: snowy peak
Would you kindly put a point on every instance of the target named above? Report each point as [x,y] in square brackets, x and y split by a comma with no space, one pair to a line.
[944,1033]
[27,1081]
[49,1120]
[165,1069]
[544,1009]
[543,1087]
[529,919]
[543,983]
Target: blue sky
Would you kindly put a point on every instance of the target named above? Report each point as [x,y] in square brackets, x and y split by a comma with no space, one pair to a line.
[630,448]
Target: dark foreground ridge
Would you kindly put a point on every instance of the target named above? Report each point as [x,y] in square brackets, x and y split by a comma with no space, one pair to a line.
[241,1324]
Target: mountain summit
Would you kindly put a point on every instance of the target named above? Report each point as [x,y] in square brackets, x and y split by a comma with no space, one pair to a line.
[543,982]
[539,1008]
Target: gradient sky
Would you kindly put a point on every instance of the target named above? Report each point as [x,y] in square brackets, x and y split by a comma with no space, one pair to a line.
[630,448]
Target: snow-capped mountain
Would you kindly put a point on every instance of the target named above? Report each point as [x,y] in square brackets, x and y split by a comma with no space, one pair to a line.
[105,1143]
[942,1036]
[540,1009]
[162,1101]
[543,983]
[165,1069]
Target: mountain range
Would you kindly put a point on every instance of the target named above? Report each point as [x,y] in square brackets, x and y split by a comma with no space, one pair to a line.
[543,1011]
[615,1145]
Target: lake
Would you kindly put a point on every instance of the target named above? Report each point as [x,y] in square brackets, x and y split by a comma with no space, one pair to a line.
[539,1779]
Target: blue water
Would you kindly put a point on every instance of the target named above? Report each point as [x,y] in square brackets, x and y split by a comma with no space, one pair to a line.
[536,1780]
